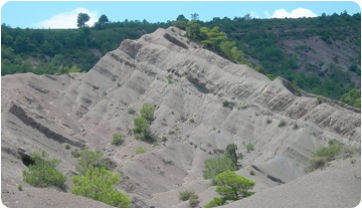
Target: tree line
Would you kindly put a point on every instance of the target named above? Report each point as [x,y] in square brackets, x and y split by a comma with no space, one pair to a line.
[47,51]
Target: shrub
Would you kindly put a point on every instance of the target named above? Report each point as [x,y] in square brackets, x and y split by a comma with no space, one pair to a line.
[319,99]
[117,139]
[268,121]
[217,201]
[97,184]
[232,186]
[185,195]
[249,147]
[75,153]
[192,120]
[20,187]
[323,155]
[171,132]
[147,111]
[231,152]
[251,172]
[67,146]
[140,150]
[194,200]
[225,103]
[281,123]
[43,173]
[142,130]
[131,111]
[216,165]
[89,158]
[169,80]
[164,139]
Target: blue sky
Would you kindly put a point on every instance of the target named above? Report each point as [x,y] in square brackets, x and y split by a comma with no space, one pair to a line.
[62,14]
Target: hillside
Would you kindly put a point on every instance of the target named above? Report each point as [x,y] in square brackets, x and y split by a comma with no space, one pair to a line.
[320,55]
[183,81]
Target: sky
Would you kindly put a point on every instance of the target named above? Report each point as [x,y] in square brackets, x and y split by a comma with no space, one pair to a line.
[63,14]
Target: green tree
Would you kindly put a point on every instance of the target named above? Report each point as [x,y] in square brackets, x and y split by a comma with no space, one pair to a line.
[231,153]
[195,16]
[211,38]
[43,172]
[82,19]
[103,19]
[97,184]
[216,165]
[147,111]
[193,30]
[231,187]
[142,130]
[89,158]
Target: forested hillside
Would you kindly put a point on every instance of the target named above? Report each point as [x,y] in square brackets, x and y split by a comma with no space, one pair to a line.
[320,55]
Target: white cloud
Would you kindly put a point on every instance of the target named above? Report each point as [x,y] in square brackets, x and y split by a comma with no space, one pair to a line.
[296,13]
[68,19]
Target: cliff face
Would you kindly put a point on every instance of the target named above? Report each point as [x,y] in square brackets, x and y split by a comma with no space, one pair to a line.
[184,82]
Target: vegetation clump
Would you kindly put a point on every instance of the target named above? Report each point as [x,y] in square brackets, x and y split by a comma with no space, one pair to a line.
[141,128]
[231,187]
[249,147]
[117,139]
[75,153]
[43,172]
[323,155]
[216,165]
[91,158]
[97,184]
[140,150]
[282,123]
[185,195]
[194,200]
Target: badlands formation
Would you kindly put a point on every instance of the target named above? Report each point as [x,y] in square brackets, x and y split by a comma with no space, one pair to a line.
[184,82]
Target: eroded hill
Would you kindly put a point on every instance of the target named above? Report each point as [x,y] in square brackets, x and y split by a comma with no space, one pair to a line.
[184,82]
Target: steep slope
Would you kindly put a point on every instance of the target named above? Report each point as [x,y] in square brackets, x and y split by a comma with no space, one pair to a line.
[184,82]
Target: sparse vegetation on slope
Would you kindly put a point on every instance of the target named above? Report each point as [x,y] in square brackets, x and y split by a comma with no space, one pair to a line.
[231,187]
[43,172]
[97,184]
[91,158]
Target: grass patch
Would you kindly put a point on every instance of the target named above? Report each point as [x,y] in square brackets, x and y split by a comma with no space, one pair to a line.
[185,195]
[140,150]
[282,123]
[249,147]
[322,155]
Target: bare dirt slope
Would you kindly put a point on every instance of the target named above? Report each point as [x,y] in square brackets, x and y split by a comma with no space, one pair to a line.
[184,82]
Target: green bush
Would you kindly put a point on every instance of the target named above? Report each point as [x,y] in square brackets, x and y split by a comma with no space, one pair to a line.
[281,123]
[194,200]
[251,172]
[249,147]
[171,132]
[185,195]
[164,139]
[319,99]
[142,130]
[117,139]
[67,146]
[216,165]
[75,153]
[323,155]
[231,153]
[147,111]
[43,173]
[140,150]
[268,121]
[217,201]
[97,184]
[20,187]
[192,120]
[89,158]
[131,111]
